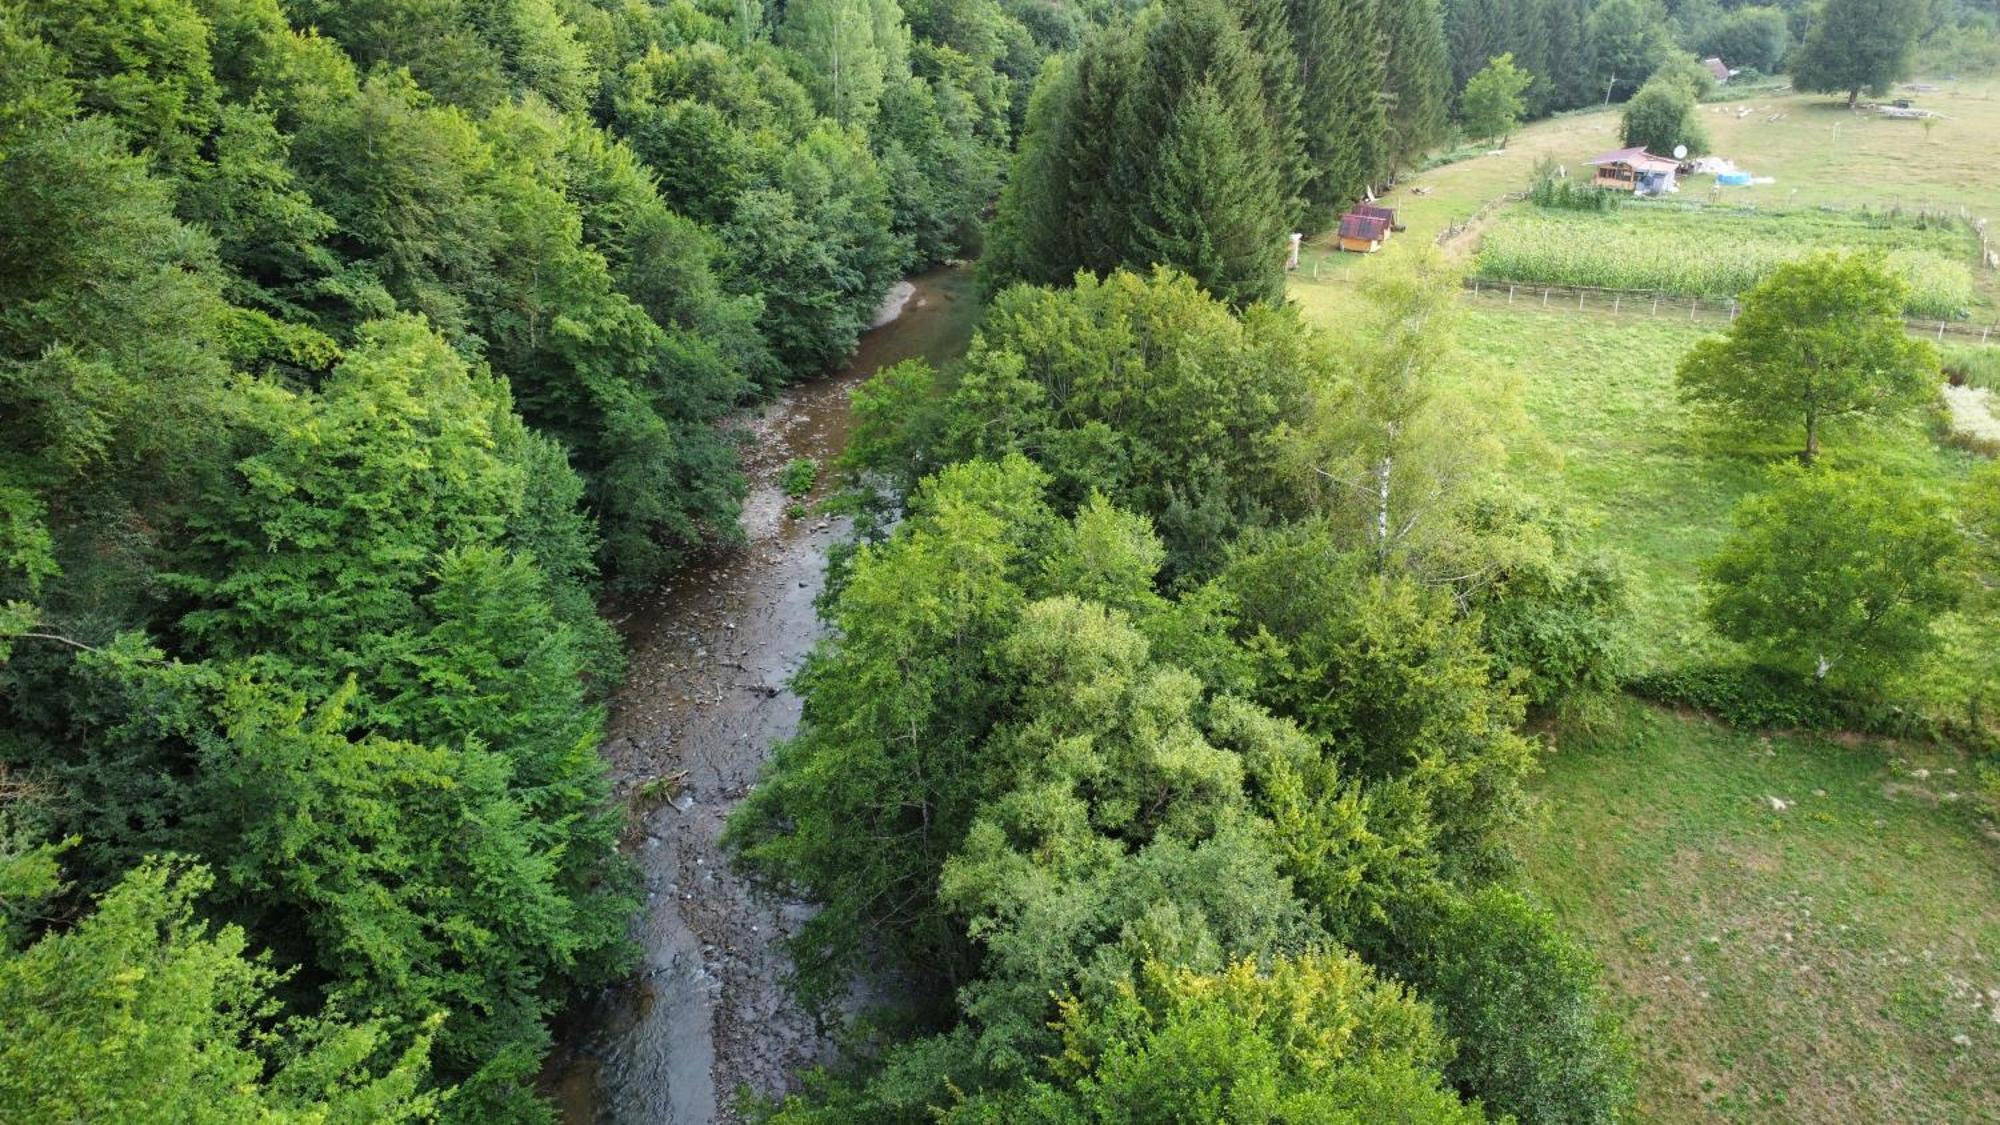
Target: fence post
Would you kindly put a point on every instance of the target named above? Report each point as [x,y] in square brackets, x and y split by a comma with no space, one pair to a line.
[1988,331]
[1940,331]
[1732,310]
[1656,304]
[1579,300]
[1545,296]
[1617,302]
[1693,303]
[1510,294]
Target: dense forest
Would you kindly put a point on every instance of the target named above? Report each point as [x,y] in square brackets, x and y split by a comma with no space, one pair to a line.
[351,353]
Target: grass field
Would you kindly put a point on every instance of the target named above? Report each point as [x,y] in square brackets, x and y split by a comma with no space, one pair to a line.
[1818,152]
[1814,964]
[1653,484]
[1809,964]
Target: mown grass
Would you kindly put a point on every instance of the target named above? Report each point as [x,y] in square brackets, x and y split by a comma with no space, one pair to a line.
[1868,161]
[1654,484]
[1810,964]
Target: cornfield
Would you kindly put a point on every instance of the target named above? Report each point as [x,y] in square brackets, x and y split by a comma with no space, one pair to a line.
[1709,254]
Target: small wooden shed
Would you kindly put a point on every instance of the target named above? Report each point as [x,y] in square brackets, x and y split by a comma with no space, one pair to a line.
[1376,211]
[1363,234]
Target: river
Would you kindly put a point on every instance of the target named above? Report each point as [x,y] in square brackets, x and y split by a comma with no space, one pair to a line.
[711,657]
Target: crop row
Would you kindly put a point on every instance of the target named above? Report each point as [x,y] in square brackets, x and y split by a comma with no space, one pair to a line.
[1703,257]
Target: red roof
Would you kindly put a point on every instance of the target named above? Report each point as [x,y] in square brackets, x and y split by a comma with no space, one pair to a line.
[1373,228]
[1718,68]
[1638,158]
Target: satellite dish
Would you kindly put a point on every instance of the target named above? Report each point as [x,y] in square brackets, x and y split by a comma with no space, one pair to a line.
[1680,152]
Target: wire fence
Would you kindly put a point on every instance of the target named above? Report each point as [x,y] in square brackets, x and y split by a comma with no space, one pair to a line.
[1583,299]
[1457,227]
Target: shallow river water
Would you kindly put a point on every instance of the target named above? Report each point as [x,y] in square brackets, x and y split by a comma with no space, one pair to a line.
[711,657]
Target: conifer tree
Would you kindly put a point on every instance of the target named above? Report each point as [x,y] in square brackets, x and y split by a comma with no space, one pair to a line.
[1093,189]
[1213,206]
[1341,80]
[1476,30]
[1569,83]
[1417,77]
[1267,27]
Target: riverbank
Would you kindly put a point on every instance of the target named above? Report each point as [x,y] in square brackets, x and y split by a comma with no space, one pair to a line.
[711,656]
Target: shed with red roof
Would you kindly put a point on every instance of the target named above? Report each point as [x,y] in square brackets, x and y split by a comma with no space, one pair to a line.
[1363,234]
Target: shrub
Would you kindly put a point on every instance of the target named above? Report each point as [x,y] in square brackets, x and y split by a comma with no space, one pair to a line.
[798,477]
[1522,999]
[1562,194]
[1662,115]
[1556,627]
[1972,365]
[1743,695]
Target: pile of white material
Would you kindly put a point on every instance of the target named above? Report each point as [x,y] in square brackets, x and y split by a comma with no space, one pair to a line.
[1973,413]
[1715,166]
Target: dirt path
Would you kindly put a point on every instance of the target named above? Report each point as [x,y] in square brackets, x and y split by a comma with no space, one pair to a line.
[711,658]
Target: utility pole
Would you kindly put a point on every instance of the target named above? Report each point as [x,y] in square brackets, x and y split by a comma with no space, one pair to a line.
[1607,89]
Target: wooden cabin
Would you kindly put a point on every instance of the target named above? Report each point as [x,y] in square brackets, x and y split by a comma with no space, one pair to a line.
[1376,211]
[1363,234]
[1635,170]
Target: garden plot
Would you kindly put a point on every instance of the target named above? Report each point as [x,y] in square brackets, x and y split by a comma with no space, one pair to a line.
[1719,253]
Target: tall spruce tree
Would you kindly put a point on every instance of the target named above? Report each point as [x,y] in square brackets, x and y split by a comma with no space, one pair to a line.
[1196,45]
[1417,75]
[1094,187]
[1569,83]
[1475,31]
[1341,57]
[1267,26]
[1210,207]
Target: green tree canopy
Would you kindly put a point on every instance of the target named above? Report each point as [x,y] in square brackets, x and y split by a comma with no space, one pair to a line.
[1857,46]
[1241,1044]
[1834,575]
[1143,388]
[1662,116]
[143,1011]
[1523,1001]
[1491,103]
[1627,41]
[1753,38]
[1817,341]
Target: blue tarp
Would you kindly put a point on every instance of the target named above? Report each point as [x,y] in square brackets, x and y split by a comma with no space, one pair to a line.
[1734,179]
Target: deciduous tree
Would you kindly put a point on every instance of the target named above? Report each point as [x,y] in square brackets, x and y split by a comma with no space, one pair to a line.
[1661,117]
[1491,103]
[1857,46]
[1834,575]
[1817,341]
